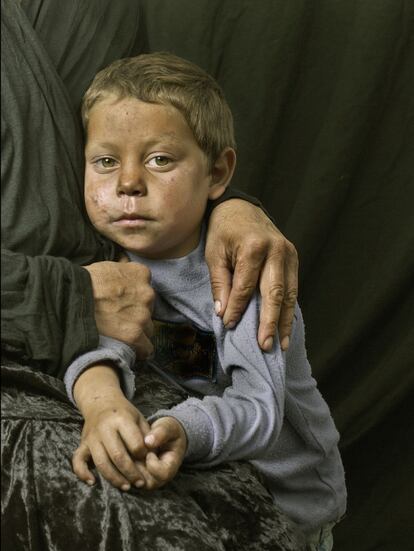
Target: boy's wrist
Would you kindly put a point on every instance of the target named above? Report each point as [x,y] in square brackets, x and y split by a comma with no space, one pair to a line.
[96,386]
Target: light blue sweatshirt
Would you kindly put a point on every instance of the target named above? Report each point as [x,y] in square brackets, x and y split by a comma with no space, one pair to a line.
[261,407]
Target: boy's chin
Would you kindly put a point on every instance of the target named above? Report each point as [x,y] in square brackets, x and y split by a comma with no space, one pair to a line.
[161,252]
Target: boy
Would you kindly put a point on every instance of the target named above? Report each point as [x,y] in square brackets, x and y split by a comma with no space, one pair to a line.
[159,144]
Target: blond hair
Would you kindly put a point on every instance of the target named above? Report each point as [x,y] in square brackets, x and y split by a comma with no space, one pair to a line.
[167,79]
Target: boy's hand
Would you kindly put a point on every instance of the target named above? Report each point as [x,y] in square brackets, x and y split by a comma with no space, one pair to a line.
[167,443]
[244,247]
[113,433]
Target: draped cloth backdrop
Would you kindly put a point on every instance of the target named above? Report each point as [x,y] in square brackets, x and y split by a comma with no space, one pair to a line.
[322,95]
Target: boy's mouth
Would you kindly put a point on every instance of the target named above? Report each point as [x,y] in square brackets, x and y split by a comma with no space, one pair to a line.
[131,220]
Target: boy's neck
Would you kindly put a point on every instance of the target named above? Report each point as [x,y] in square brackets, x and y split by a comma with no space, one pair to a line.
[165,256]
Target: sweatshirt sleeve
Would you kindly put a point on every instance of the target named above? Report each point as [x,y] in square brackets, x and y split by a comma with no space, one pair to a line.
[47,300]
[120,354]
[244,423]
[233,193]
[47,311]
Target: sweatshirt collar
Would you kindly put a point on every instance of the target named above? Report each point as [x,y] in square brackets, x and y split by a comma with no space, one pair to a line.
[177,274]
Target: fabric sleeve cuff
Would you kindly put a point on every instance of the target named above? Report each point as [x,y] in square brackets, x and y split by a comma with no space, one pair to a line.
[232,193]
[112,350]
[197,426]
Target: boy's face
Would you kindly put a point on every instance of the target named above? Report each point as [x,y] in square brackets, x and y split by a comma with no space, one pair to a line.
[146,179]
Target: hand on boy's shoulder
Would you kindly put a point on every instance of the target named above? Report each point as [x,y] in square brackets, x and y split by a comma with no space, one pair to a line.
[245,250]
[123,258]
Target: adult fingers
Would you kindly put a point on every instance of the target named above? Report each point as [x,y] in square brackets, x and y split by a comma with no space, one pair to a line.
[248,265]
[144,348]
[80,460]
[271,290]
[221,280]
[278,288]
[287,311]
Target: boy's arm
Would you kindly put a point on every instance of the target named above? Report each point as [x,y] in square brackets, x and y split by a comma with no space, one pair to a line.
[119,355]
[114,430]
[246,421]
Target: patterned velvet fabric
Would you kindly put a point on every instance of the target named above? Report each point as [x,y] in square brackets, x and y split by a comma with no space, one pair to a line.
[45,507]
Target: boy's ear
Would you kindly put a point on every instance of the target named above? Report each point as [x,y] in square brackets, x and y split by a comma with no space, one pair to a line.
[222,172]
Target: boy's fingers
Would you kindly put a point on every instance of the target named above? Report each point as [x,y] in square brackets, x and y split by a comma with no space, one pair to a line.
[158,436]
[163,468]
[164,430]
[80,460]
[133,438]
[107,469]
[149,482]
[120,458]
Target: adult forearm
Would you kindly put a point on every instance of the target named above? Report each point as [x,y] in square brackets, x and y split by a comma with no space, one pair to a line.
[47,316]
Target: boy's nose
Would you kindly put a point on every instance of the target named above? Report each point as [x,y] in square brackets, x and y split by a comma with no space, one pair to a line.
[131,182]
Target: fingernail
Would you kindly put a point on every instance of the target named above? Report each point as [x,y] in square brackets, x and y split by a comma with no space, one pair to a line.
[268,344]
[125,487]
[139,483]
[230,325]
[149,440]
[217,307]
[285,343]
[90,482]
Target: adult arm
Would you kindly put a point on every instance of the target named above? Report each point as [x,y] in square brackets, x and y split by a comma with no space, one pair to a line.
[244,248]
[52,309]
[47,310]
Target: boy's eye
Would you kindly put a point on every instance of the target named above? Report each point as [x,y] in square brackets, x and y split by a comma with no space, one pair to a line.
[106,162]
[160,161]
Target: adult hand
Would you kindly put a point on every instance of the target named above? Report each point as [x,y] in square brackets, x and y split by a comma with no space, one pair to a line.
[244,248]
[123,303]
[113,433]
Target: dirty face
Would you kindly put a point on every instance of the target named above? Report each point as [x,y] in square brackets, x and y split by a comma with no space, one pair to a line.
[146,179]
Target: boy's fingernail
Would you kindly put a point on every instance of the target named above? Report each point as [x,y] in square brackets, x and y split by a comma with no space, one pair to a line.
[217,307]
[90,482]
[149,440]
[285,343]
[139,483]
[268,343]
[230,325]
[125,487]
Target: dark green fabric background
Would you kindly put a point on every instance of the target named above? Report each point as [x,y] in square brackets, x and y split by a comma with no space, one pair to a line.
[322,93]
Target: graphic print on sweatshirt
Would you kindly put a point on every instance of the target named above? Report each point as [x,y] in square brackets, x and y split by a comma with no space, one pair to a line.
[184,350]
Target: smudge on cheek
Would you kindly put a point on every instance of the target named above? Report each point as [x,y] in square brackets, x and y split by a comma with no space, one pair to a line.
[97,202]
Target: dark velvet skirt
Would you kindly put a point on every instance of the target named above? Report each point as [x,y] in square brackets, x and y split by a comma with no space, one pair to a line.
[45,507]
